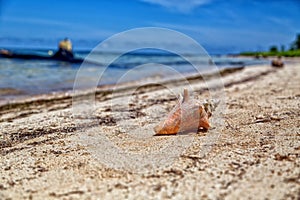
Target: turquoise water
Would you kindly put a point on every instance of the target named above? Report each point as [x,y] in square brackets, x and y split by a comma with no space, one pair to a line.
[29,77]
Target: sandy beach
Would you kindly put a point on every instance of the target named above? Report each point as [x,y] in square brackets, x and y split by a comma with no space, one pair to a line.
[47,152]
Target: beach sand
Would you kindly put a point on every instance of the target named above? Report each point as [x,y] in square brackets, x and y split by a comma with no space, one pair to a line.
[48,153]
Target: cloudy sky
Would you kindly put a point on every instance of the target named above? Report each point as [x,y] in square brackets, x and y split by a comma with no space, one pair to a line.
[219,25]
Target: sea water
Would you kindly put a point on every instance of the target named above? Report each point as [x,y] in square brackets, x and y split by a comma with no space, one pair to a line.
[19,78]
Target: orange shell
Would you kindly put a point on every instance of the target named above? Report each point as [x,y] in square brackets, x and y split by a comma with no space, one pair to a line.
[187,115]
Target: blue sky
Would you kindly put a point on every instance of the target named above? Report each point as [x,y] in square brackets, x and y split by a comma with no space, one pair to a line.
[220,26]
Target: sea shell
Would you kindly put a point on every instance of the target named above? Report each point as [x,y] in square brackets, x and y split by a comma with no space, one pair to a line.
[187,115]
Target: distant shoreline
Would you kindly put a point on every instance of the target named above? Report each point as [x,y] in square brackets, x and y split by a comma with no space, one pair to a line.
[288,59]
[106,89]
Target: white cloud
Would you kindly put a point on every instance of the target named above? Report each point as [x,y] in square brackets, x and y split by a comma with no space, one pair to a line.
[179,5]
[281,21]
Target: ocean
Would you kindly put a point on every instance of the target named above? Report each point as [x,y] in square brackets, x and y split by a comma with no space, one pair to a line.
[21,78]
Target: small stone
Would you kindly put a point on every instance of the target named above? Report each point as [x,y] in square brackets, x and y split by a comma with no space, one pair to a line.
[259,117]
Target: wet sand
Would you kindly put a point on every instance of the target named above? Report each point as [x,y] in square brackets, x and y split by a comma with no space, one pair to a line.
[49,153]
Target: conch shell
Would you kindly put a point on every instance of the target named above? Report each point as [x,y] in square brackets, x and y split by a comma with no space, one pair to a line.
[188,115]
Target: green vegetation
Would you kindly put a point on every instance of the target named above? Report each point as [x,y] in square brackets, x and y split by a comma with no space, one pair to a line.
[290,53]
[296,43]
[273,49]
[293,52]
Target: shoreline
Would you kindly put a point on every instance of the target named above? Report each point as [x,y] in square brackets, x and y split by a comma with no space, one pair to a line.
[295,59]
[53,96]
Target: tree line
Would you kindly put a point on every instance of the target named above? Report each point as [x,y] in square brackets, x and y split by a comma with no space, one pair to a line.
[294,46]
[293,51]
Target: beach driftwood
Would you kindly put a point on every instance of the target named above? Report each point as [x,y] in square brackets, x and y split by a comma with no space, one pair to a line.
[187,115]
